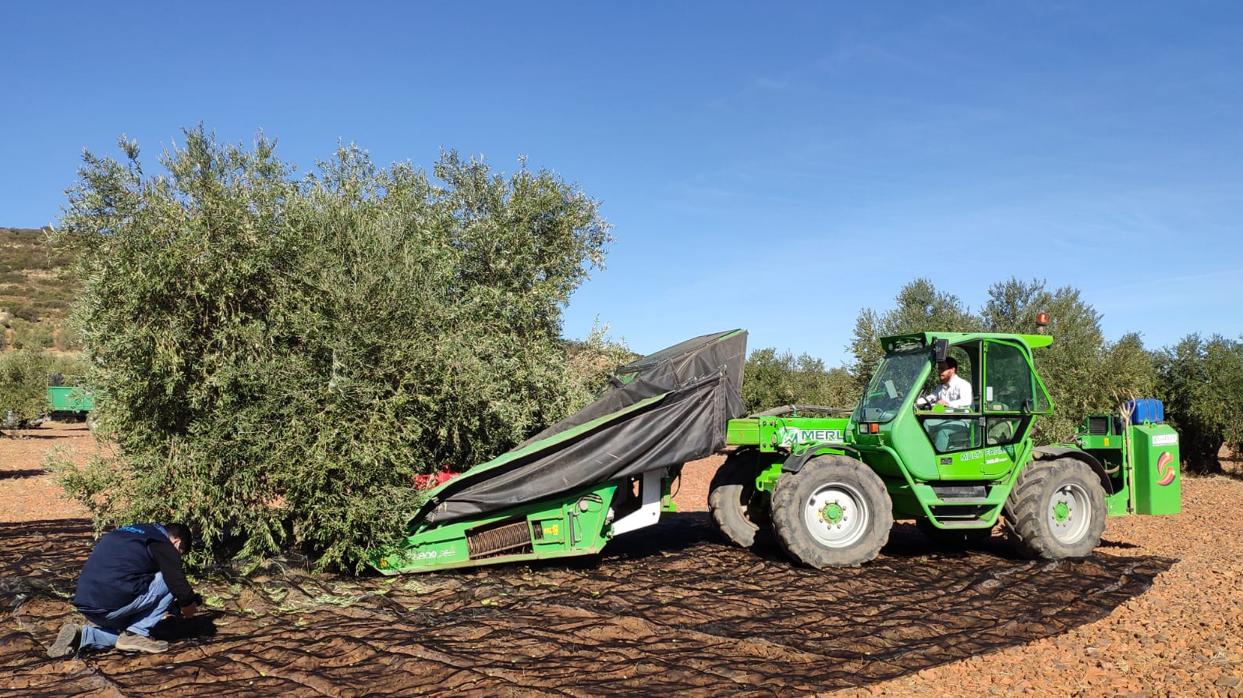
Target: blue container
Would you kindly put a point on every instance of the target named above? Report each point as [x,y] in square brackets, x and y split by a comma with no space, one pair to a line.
[1146,410]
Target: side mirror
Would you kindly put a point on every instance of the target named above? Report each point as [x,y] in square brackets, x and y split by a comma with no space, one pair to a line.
[940,347]
[1027,406]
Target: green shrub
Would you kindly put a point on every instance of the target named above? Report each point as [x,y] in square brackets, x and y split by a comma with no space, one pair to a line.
[277,357]
[23,385]
[31,335]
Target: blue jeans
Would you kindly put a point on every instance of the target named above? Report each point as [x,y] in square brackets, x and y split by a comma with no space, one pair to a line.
[137,617]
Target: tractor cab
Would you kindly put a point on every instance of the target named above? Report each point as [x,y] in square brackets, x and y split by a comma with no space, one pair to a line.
[993,396]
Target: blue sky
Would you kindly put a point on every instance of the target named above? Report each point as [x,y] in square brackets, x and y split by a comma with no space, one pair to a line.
[765,165]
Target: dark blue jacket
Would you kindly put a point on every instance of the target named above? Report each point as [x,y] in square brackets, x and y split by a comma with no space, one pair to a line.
[122,565]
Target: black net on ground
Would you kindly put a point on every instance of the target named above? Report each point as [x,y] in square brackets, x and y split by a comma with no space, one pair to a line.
[667,609]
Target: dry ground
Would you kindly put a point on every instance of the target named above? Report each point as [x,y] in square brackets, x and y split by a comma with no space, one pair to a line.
[27,491]
[680,613]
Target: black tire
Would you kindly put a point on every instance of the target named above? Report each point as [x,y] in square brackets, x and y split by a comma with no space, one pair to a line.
[734,502]
[954,538]
[801,503]
[1033,520]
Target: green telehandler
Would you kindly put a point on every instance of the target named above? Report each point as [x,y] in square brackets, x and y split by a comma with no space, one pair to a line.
[827,484]
[830,488]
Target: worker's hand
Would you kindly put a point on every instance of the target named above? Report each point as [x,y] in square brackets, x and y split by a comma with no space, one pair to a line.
[943,402]
[189,611]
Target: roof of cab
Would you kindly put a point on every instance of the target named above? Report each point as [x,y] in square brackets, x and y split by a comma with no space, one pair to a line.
[1031,341]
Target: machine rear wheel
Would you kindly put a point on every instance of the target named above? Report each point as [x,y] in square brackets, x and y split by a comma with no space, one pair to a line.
[734,502]
[1057,510]
[834,512]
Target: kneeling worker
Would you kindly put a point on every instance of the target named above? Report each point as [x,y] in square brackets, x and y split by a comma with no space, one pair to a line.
[132,577]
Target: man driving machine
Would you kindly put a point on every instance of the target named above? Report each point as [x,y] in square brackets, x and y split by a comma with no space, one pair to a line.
[954,392]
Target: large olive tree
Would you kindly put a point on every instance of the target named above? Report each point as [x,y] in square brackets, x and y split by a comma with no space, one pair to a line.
[278,355]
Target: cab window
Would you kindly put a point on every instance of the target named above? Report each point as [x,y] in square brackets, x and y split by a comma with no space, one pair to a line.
[1008,380]
[956,429]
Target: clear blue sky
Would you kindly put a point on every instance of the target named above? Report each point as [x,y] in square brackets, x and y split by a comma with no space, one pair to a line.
[765,165]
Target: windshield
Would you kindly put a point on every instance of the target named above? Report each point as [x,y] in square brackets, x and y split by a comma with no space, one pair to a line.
[897,375]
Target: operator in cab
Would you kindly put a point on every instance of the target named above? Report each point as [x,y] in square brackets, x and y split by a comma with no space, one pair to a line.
[954,391]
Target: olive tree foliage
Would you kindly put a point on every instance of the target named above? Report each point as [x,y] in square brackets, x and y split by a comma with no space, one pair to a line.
[591,362]
[1083,372]
[1201,383]
[918,307]
[277,356]
[772,379]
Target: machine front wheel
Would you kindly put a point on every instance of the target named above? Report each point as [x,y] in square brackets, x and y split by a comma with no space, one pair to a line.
[1056,510]
[834,512]
[734,502]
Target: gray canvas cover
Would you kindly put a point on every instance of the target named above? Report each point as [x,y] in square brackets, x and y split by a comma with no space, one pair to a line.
[664,409]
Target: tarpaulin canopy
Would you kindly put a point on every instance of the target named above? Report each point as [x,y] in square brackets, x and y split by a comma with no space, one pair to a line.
[664,409]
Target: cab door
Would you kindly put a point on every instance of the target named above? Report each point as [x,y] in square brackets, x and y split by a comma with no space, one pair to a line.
[1012,395]
[956,434]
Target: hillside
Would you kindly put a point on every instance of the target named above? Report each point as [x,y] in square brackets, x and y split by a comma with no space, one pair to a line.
[35,282]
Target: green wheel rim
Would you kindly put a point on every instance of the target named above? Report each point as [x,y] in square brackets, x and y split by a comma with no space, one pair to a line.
[836,515]
[1070,513]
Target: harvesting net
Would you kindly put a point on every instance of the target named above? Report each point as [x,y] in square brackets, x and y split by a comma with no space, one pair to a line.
[674,611]
[665,409]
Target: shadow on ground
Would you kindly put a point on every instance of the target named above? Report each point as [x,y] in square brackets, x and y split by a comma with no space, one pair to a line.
[672,610]
[18,474]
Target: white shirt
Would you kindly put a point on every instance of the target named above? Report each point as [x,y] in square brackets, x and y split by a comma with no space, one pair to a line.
[956,393]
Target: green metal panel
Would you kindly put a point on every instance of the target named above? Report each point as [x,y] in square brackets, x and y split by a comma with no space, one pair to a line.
[565,526]
[1158,482]
[743,432]
[1116,504]
[70,398]
[1155,456]
[1033,341]
[1109,450]
[771,433]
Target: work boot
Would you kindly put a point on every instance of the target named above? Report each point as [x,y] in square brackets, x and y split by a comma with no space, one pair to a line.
[140,643]
[66,641]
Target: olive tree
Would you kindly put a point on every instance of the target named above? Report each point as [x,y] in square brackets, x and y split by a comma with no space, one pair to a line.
[1083,371]
[277,356]
[1201,382]
[772,378]
[23,386]
[918,307]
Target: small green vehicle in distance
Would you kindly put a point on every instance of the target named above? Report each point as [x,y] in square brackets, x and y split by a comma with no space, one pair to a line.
[830,487]
[68,399]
